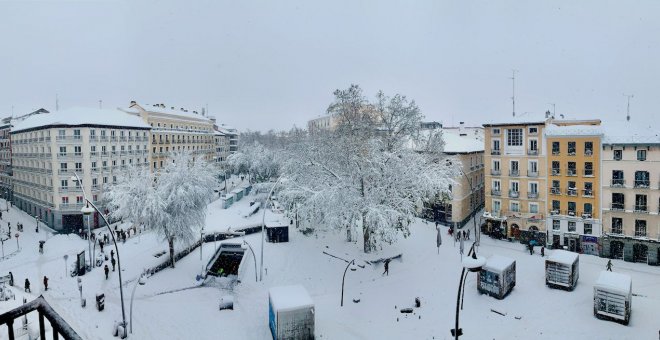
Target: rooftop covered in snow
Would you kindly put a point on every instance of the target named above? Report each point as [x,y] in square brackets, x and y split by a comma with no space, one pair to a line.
[462,144]
[627,132]
[80,116]
[573,130]
[288,298]
[498,263]
[617,282]
[519,119]
[162,108]
[563,257]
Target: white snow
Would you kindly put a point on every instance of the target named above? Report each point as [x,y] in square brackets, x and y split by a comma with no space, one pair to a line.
[167,110]
[287,298]
[573,130]
[498,263]
[462,144]
[563,257]
[617,282]
[81,116]
[630,132]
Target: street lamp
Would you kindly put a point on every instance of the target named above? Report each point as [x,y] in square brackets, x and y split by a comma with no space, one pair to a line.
[353,268]
[254,257]
[76,178]
[472,263]
[263,227]
[86,211]
[141,281]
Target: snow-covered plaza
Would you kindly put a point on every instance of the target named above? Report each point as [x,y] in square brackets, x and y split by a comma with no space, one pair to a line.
[173,305]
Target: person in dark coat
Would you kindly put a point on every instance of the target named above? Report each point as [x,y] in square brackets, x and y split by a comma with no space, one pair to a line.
[542,251]
[609,265]
[113,263]
[106,270]
[387,267]
[112,253]
[27,286]
[46,282]
[101,245]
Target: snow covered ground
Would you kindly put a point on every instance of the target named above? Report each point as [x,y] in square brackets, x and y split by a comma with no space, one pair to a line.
[171,305]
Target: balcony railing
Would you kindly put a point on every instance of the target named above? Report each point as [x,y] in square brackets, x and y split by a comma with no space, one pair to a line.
[617,183]
[588,152]
[639,208]
[555,152]
[571,213]
[532,195]
[531,173]
[588,173]
[495,152]
[642,184]
[514,172]
[640,233]
[556,172]
[571,172]
[571,192]
[71,206]
[587,193]
[58,326]
[495,172]
[617,207]
[533,152]
[64,171]
[496,192]
[514,194]
[555,191]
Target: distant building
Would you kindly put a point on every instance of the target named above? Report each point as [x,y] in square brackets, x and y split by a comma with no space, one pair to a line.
[48,149]
[326,122]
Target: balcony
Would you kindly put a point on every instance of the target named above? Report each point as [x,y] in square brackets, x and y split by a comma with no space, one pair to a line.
[533,152]
[618,183]
[640,233]
[555,152]
[571,213]
[571,172]
[533,195]
[617,207]
[554,212]
[514,172]
[642,184]
[571,192]
[571,152]
[71,206]
[531,173]
[588,173]
[588,152]
[587,193]
[555,191]
[587,215]
[495,172]
[641,208]
[556,172]
[514,194]
[496,192]
[64,171]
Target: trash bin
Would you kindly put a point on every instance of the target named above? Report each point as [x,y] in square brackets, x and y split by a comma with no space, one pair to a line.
[100,301]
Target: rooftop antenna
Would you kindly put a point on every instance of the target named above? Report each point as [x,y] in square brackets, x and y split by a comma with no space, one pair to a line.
[513,90]
[554,109]
[628,109]
[12,110]
[100,104]
[57,102]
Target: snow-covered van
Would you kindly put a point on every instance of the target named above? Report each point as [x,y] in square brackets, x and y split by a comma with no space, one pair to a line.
[562,270]
[613,297]
[290,313]
[497,277]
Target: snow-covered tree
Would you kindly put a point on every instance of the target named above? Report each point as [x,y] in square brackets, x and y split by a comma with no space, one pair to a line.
[366,174]
[172,202]
[256,160]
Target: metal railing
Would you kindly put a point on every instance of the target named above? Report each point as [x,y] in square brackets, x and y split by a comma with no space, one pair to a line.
[588,172]
[57,323]
[532,195]
[514,194]
[555,191]
[641,208]
[556,152]
[571,191]
[571,172]
[617,183]
[496,192]
[532,152]
[532,173]
[514,172]
[617,206]
[642,184]
[587,193]
[555,172]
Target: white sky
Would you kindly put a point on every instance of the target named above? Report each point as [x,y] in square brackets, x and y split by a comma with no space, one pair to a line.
[273,64]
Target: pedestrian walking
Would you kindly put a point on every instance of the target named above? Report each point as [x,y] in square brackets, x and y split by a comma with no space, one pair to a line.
[468,235]
[41,247]
[112,254]
[609,265]
[387,267]
[101,245]
[106,270]
[113,263]
[0,215]
[27,286]
[542,251]
[46,282]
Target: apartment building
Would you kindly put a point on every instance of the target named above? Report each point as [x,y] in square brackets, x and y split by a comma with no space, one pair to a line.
[573,168]
[516,178]
[231,135]
[174,130]
[630,185]
[48,149]
[467,194]
[326,122]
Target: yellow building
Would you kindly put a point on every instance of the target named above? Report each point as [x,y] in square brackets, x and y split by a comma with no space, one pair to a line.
[573,167]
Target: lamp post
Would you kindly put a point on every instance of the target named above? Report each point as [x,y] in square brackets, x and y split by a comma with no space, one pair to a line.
[353,268]
[141,281]
[87,210]
[263,227]
[472,263]
[201,243]
[254,257]
[75,178]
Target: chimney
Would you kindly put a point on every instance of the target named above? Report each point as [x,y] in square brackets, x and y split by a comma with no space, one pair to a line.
[172,107]
[547,114]
[133,102]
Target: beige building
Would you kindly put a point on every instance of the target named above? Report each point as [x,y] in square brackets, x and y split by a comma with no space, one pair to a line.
[326,122]
[48,149]
[630,180]
[174,130]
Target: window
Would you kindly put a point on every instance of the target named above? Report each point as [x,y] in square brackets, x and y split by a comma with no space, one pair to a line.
[95,181]
[588,169]
[93,148]
[514,137]
[617,225]
[588,228]
[102,133]
[496,165]
[114,179]
[588,189]
[571,226]
[618,155]
[76,134]
[588,148]
[571,208]
[61,133]
[533,187]
[93,165]
[618,201]
[571,190]
[571,148]
[62,150]
[79,199]
[77,150]
[555,148]
[533,208]
[640,203]
[556,224]
[556,206]
[640,228]
[515,169]
[533,147]
[641,155]
[572,169]
[64,183]
[642,179]
[588,208]
[533,130]
[496,185]
[515,206]
[92,133]
[155,165]
[105,180]
[78,166]
[65,200]
[555,168]
[63,166]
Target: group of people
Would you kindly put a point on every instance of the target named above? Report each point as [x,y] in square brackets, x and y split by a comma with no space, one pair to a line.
[459,234]
[106,269]
[27,284]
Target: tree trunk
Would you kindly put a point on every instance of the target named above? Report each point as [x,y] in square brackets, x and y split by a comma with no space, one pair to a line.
[366,233]
[170,241]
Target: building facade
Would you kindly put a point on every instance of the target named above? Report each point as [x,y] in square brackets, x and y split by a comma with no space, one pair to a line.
[573,187]
[327,122]
[631,194]
[516,178]
[95,144]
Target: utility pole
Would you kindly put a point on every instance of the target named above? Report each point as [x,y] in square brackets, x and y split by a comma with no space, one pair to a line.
[57,102]
[513,90]
[628,109]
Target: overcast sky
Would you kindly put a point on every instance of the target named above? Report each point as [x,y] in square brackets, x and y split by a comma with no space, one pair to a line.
[274,64]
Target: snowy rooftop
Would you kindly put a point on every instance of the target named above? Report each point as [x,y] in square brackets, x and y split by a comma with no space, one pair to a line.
[218,133]
[82,116]
[168,110]
[520,119]
[498,263]
[563,257]
[573,130]
[275,224]
[625,132]
[617,282]
[457,144]
[289,298]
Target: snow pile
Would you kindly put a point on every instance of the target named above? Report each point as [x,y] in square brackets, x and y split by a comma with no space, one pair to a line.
[563,257]
[82,116]
[498,263]
[616,282]
[288,298]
